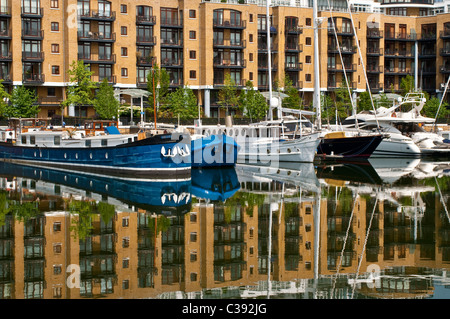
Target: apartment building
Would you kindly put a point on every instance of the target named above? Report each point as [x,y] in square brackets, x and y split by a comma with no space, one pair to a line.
[200,42]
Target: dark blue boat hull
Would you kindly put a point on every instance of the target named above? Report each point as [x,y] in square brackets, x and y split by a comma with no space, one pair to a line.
[214,151]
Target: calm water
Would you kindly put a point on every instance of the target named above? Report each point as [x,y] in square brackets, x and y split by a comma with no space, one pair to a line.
[378,229]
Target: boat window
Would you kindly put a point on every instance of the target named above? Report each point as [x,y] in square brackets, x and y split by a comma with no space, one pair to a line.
[104,142]
[32,139]
[130,140]
[88,143]
[243,132]
[98,125]
[24,139]
[57,140]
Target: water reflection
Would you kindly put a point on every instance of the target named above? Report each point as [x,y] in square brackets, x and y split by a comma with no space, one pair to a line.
[350,230]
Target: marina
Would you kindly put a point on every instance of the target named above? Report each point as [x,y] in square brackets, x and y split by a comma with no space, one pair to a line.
[305,231]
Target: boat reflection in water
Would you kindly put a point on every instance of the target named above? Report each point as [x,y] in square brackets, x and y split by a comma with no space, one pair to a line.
[298,231]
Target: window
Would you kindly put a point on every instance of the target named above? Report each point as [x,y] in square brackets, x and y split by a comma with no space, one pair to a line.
[125,263]
[55,26]
[55,69]
[57,226]
[192,55]
[124,51]
[57,248]
[125,222]
[123,8]
[192,35]
[125,242]
[308,59]
[193,276]
[193,256]
[250,37]
[55,48]
[125,284]
[57,269]
[250,75]
[192,14]
[51,91]
[54,4]
[308,21]
[250,57]
[308,77]
[250,17]
[193,237]
[123,30]
[308,40]
[192,74]
[124,72]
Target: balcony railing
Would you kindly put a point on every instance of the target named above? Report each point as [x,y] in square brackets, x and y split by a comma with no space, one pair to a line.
[374,68]
[234,24]
[445,34]
[5,56]
[343,49]
[171,42]
[427,37]
[398,53]
[50,100]
[96,36]
[170,22]
[33,56]
[5,33]
[374,51]
[374,33]
[32,12]
[33,78]
[338,67]
[293,66]
[262,46]
[445,51]
[172,62]
[263,66]
[99,78]
[400,36]
[6,77]
[238,83]
[146,60]
[337,85]
[145,40]
[444,69]
[263,28]
[5,10]
[101,15]
[294,47]
[341,31]
[230,43]
[227,63]
[146,19]
[97,58]
[297,29]
[397,71]
[33,34]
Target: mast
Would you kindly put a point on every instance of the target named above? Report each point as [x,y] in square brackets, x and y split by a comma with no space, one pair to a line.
[269,58]
[316,97]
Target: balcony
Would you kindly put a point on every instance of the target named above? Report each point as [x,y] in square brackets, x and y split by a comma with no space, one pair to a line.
[177,43]
[427,53]
[171,23]
[445,52]
[5,56]
[145,40]
[339,68]
[227,63]
[374,33]
[145,20]
[293,29]
[262,47]
[397,71]
[97,58]
[32,12]
[395,53]
[374,51]
[341,31]
[400,36]
[176,82]
[99,78]
[293,47]
[146,60]
[375,87]
[229,24]
[50,100]
[444,69]
[31,34]
[445,34]
[293,66]
[5,34]
[94,15]
[96,36]
[427,37]
[172,63]
[6,77]
[33,56]
[5,11]
[230,44]
[33,78]
[221,82]
[374,69]
[333,85]
[263,29]
[343,49]
[263,66]
[141,82]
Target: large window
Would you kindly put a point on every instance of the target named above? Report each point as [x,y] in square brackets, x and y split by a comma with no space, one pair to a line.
[84,7]
[31,6]
[104,8]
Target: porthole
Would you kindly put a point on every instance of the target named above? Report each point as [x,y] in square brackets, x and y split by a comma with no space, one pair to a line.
[90,155]
[65,155]
[106,155]
[76,155]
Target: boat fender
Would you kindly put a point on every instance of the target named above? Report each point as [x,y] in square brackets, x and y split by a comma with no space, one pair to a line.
[394,114]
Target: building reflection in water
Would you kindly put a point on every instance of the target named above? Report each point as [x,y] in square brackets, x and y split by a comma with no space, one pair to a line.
[296,232]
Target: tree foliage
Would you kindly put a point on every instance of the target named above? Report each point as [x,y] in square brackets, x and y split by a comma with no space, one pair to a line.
[81,88]
[105,103]
[181,102]
[407,85]
[431,107]
[252,103]
[228,97]
[4,98]
[293,100]
[23,103]
[160,78]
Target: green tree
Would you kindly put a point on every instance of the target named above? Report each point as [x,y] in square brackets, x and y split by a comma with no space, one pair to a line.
[23,103]
[228,97]
[105,103]
[342,103]
[158,81]
[407,85]
[364,102]
[81,88]
[181,102]
[252,103]
[4,97]
[431,107]
[293,101]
